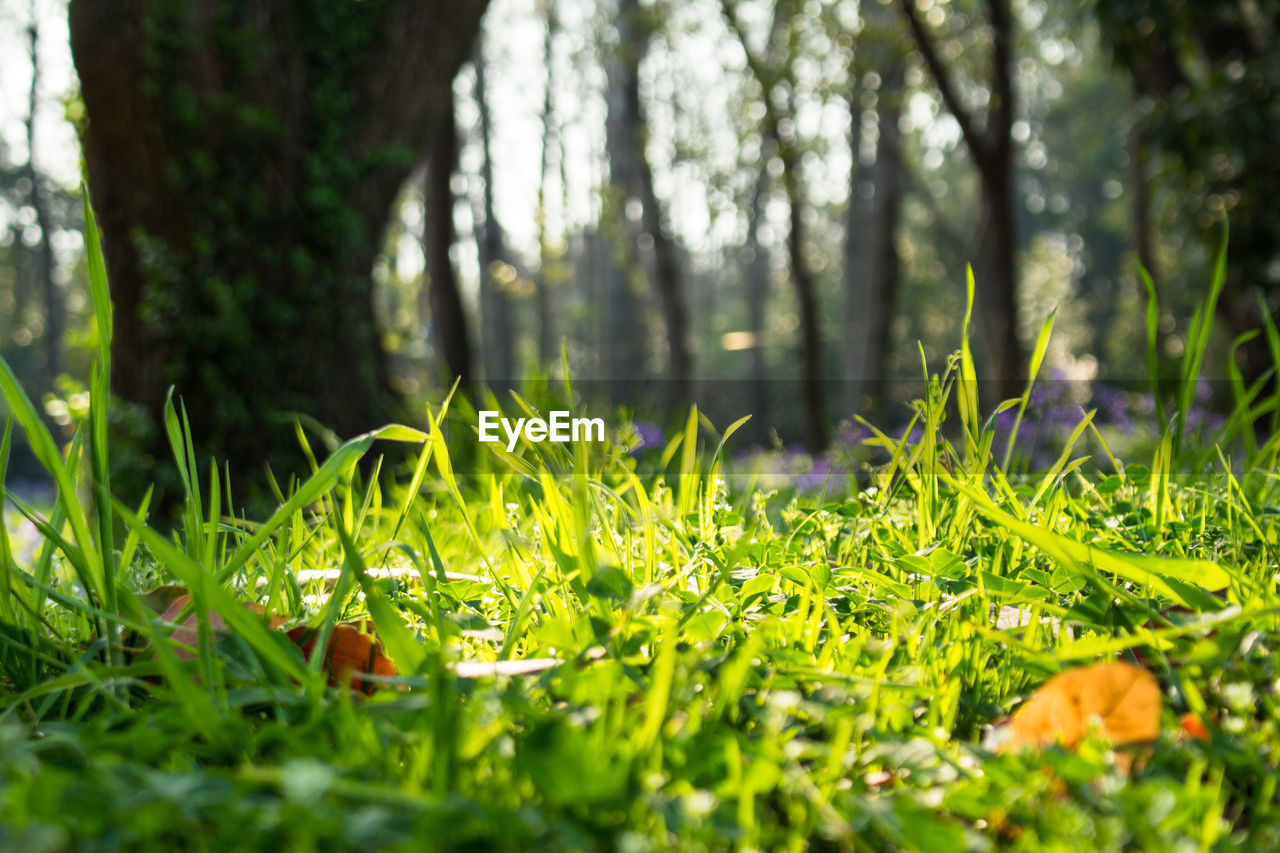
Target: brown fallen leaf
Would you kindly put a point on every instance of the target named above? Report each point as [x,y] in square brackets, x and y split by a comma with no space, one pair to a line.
[351,653]
[1121,699]
[353,650]
[188,632]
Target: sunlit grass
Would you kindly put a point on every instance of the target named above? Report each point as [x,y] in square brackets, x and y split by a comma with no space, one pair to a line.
[737,668]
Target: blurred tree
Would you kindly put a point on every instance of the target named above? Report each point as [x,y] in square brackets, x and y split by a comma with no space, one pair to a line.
[448,317]
[773,71]
[633,188]
[550,271]
[989,140]
[496,333]
[39,200]
[1208,78]
[623,346]
[243,158]
[872,263]
[757,281]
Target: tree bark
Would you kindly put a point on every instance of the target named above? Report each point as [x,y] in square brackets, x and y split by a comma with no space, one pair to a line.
[243,159]
[625,349]
[816,435]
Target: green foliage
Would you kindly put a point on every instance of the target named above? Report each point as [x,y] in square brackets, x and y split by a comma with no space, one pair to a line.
[1209,78]
[735,668]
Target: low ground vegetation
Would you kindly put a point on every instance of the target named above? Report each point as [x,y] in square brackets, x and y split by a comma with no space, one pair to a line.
[638,647]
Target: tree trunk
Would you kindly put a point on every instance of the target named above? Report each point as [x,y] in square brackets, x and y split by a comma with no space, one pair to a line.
[666,275]
[40,204]
[548,269]
[991,147]
[757,274]
[802,280]
[626,348]
[873,283]
[495,308]
[995,293]
[244,157]
[448,317]
[669,279]
[771,71]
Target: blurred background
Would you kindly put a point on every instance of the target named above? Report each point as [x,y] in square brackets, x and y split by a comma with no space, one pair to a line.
[762,206]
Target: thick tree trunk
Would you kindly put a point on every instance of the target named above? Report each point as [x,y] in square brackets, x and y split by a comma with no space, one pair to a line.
[243,158]
[448,317]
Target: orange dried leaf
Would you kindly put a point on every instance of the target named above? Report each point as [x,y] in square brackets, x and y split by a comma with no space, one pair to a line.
[351,654]
[1123,700]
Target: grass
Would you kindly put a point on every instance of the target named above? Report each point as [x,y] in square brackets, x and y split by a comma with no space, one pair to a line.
[736,668]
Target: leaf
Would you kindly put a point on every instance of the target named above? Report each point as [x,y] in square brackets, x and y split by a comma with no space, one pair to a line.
[1121,699]
[351,654]
[170,601]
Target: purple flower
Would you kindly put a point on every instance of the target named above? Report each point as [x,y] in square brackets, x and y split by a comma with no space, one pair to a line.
[650,433]
[1204,421]
[818,474]
[917,433]
[853,435]
[1203,390]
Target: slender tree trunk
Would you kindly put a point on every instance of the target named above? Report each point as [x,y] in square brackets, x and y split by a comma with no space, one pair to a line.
[53,322]
[497,334]
[996,290]
[772,72]
[666,275]
[757,275]
[854,276]
[991,147]
[802,279]
[874,278]
[548,268]
[627,351]
[669,278]
[448,317]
